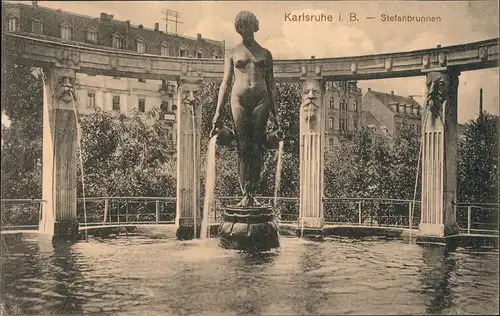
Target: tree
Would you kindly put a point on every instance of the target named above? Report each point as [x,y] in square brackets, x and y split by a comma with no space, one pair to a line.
[22,103]
[478,161]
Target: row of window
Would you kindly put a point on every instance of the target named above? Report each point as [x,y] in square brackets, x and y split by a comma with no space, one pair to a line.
[118,41]
[116,104]
[343,104]
[343,125]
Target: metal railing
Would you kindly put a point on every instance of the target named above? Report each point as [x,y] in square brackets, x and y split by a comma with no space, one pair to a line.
[477,218]
[472,218]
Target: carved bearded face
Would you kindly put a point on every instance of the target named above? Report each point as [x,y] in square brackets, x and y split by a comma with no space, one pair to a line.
[437,87]
[65,87]
[310,94]
[189,94]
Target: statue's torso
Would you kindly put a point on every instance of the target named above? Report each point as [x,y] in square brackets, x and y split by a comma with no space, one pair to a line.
[249,87]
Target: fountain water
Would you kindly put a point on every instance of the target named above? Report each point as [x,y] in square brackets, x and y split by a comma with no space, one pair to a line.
[80,151]
[277,180]
[209,187]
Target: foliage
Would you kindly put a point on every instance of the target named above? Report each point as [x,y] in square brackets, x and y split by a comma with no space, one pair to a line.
[22,102]
[478,161]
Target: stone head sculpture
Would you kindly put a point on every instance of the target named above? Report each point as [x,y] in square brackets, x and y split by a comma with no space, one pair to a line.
[65,86]
[437,90]
[310,103]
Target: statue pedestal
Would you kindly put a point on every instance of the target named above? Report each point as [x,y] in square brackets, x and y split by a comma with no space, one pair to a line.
[251,229]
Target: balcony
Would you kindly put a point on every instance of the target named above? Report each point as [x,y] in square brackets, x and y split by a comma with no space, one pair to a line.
[167,116]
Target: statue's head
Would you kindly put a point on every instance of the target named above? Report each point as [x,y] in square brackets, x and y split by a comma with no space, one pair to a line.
[310,91]
[437,90]
[65,87]
[246,23]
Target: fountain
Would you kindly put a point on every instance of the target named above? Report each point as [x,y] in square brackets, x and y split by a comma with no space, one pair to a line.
[248,225]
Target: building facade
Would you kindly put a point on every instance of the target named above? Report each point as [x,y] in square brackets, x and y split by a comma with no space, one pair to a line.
[344,111]
[122,95]
[383,112]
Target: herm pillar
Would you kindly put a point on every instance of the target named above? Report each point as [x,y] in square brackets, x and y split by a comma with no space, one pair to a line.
[59,217]
[439,157]
[187,220]
[312,138]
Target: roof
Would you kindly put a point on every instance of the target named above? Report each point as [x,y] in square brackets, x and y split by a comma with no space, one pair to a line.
[108,26]
[389,98]
[369,120]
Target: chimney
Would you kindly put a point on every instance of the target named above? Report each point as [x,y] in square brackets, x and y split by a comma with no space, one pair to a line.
[481,101]
[369,89]
[104,16]
[110,17]
[392,92]
[312,57]
[198,36]
[34,3]
[128,23]
[157,27]
[438,45]
[141,26]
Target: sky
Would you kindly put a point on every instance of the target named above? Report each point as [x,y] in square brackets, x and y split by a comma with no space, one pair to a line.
[461,22]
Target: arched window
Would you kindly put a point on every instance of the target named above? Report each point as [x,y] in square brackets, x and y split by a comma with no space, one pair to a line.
[13,23]
[183,52]
[92,35]
[37,26]
[66,31]
[199,53]
[117,41]
[164,49]
[141,45]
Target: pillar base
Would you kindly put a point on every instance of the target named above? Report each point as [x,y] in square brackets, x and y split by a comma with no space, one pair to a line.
[185,228]
[250,229]
[65,231]
[431,230]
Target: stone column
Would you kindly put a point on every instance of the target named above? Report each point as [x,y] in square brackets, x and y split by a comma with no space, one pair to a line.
[439,157]
[59,216]
[188,221]
[312,138]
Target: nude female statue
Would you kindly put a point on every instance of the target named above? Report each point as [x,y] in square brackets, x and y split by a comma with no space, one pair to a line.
[253,96]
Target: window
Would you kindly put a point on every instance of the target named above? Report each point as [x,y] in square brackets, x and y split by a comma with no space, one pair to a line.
[217,56]
[355,105]
[355,123]
[66,32]
[331,142]
[92,36]
[13,25]
[91,100]
[199,54]
[343,105]
[182,52]
[37,26]
[165,50]
[331,103]
[141,46]
[141,80]
[142,105]
[116,103]
[343,124]
[117,41]
[330,123]
[419,129]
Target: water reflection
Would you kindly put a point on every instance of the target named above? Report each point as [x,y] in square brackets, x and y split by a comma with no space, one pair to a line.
[139,275]
[312,277]
[439,265]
